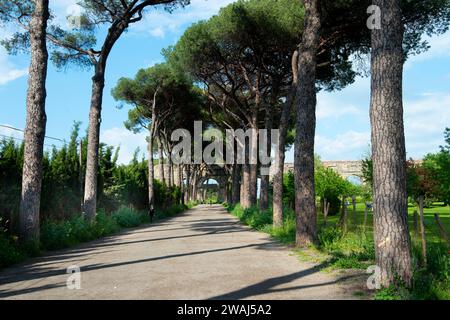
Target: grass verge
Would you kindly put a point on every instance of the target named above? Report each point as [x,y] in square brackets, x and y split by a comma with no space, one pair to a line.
[355,250]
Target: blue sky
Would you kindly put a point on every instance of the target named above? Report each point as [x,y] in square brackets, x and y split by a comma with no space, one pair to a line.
[343,131]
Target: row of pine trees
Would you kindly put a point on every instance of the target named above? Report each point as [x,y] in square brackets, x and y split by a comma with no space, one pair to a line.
[63,181]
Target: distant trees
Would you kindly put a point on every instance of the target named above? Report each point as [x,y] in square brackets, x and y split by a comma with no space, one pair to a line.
[330,187]
[438,166]
[119,184]
[74,46]
[163,100]
[77,47]
[245,58]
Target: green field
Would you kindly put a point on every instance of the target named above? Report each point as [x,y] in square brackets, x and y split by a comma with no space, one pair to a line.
[431,227]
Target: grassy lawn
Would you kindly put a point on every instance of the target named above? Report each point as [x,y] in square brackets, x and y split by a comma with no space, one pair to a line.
[431,228]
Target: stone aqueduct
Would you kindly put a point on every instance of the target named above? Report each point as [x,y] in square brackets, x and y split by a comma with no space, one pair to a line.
[345,168]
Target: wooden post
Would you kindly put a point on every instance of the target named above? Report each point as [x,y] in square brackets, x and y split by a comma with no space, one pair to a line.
[422,233]
[416,224]
[354,211]
[343,220]
[326,208]
[442,230]
[345,217]
[366,209]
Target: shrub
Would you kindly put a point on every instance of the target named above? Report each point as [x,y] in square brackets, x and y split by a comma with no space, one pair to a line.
[10,253]
[104,225]
[353,250]
[127,218]
[56,235]
[328,237]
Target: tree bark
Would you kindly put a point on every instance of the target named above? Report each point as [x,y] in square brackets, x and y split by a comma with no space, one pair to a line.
[236,184]
[151,170]
[277,179]
[90,187]
[170,171]
[305,203]
[35,125]
[98,84]
[365,217]
[422,234]
[161,161]
[265,179]
[245,187]
[253,183]
[151,165]
[187,188]
[392,241]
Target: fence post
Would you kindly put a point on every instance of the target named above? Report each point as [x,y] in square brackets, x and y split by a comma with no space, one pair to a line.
[442,231]
[422,233]
[366,209]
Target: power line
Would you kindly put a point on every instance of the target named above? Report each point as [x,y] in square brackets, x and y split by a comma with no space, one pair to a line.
[20,139]
[17,129]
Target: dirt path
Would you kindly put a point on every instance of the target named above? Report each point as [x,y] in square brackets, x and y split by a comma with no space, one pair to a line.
[204,253]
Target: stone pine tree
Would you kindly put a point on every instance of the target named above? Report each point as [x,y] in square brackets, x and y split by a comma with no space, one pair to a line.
[305,201]
[117,16]
[33,15]
[397,35]
[392,242]
[341,24]
[162,100]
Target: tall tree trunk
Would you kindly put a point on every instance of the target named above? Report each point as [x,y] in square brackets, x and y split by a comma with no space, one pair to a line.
[236,184]
[280,153]
[392,242]
[264,191]
[305,203]
[187,188]
[245,187]
[171,175]
[35,125]
[90,187]
[194,183]
[161,161]
[177,175]
[98,84]
[151,165]
[253,183]
[151,170]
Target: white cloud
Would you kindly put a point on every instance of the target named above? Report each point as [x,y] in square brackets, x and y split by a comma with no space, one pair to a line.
[425,121]
[127,140]
[8,71]
[158,22]
[158,32]
[439,47]
[327,107]
[349,145]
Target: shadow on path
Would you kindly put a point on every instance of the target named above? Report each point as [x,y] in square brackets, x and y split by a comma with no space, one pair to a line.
[269,285]
[26,275]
